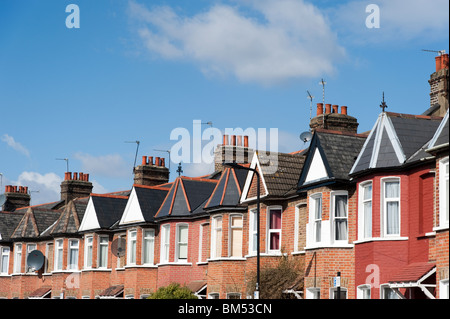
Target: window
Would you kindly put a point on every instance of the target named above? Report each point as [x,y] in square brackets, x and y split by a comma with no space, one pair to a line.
[365,211]
[30,248]
[391,206]
[233,295]
[165,243]
[216,239]
[253,232]
[443,289]
[363,292]
[182,242]
[313,293]
[88,248]
[73,254]
[387,293]
[132,247]
[203,242]
[213,295]
[148,246]
[103,251]
[59,255]
[339,213]
[316,217]
[49,260]
[4,260]
[121,249]
[274,229]
[236,230]
[443,193]
[334,293]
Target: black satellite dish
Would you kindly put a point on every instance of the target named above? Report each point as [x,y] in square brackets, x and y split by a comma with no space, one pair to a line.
[306,136]
[35,260]
[118,247]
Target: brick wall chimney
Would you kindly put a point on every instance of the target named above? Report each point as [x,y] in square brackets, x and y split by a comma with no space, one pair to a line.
[235,148]
[75,186]
[331,119]
[16,197]
[439,85]
[151,173]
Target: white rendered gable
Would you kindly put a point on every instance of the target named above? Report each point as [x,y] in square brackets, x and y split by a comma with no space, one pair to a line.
[317,168]
[133,212]
[90,220]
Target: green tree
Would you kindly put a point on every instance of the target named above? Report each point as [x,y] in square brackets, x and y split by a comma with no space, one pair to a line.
[173,291]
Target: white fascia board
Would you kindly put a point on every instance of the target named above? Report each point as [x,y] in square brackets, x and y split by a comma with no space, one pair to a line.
[90,220]
[132,212]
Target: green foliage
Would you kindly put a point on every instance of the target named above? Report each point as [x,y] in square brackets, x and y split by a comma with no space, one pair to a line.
[173,291]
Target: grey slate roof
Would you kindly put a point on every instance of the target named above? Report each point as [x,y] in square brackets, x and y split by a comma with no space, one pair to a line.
[229,188]
[186,197]
[338,151]
[150,200]
[69,221]
[8,223]
[395,140]
[109,209]
[440,138]
[34,222]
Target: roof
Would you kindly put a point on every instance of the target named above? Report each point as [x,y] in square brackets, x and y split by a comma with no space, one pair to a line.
[228,190]
[395,140]
[440,138]
[108,208]
[40,292]
[112,291]
[34,222]
[186,197]
[413,272]
[70,218]
[8,223]
[330,157]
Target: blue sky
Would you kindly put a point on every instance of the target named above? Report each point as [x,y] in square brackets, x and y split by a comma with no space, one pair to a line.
[137,70]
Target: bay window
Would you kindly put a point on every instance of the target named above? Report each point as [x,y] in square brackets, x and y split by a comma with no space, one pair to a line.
[88,247]
[274,229]
[59,255]
[339,215]
[148,246]
[73,254]
[365,210]
[391,206]
[165,243]
[4,260]
[315,217]
[182,243]
[103,251]
[236,230]
[17,258]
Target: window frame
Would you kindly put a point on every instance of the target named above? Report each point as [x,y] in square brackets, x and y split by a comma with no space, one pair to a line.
[384,202]
[214,234]
[59,253]
[314,221]
[88,261]
[271,231]
[165,244]
[178,243]
[361,210]
[231,241]
[333,196]
[3,264]
[132,247]
[73,265]
[148,240]
[30,248]
[443,189]
[253,232]
[360,291]
[102,264]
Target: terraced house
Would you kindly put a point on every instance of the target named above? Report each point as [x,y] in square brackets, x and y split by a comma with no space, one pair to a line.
[372,207]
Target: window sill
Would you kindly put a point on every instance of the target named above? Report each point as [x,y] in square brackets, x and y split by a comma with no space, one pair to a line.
[227,259]
[174,264]
[367,240]
[139,266]
[441,228]
[96,269]
[329,245]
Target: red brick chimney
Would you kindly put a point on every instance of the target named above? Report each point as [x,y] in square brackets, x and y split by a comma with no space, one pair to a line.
[333,120]
[439,85]
[75,186]
[234,148]
[151,174]
[16,197]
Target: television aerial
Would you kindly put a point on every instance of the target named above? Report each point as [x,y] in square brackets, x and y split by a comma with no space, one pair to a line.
[310,97]
[35,260]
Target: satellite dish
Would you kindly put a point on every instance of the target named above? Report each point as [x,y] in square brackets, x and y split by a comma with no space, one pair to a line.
[118,247]
[2,200]
[306,136]
[35,260]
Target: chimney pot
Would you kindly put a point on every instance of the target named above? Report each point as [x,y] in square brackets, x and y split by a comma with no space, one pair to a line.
[438,63]
[75,176]
[25,189]
[335,108]
[144,160]
[157,161]
[344,110]
[444,61]
[327,108]
[150,160]
[239,140]
[14,189]
[225,139]
[233,140]
[245,141]
[81,176]
[319,108]
[87,177]
[163,162]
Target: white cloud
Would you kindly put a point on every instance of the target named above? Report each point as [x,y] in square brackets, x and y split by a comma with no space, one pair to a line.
[400,21]
[44,188]
[111,165]
[289,39]
[15,145]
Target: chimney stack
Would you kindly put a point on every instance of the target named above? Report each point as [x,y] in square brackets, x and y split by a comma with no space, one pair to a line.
[235,148]
[151,174]
[75,186]
[16,197]
[439,85]
[333,120]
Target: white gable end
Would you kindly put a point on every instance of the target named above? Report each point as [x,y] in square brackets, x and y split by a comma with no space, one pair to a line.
[90,220]
[132,213]
[317,169]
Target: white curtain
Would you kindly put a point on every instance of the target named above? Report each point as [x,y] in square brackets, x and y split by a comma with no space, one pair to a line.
[368,211]
[392,195]
[341,217]
[318,219]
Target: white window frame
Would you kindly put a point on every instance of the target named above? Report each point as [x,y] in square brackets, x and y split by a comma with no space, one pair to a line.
[252,232]
[30,248]
[132,247]
[178,243]
[313,293]
[47,253]
[362,290]
[148,243]
[361,210]
[274,230]
[4,251]
[202,235]
[334,218]
[214,232]
[443,193]
[74,244]
[384,288]
[58,251]
[231,241]
[102,264]
[88,247]
[165,244]
[384,202]
[443,289]
[311,239]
